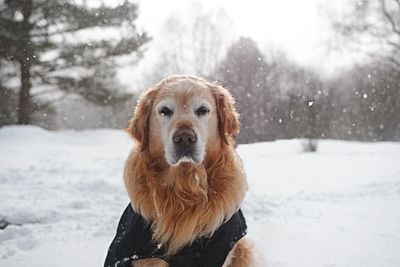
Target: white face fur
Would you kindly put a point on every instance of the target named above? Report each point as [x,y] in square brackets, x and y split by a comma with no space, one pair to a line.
[192,113]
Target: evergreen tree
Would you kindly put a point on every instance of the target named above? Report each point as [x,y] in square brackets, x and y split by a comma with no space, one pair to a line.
[41,37]
[245,73]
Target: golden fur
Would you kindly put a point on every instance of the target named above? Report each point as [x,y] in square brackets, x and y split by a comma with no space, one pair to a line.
[190,200]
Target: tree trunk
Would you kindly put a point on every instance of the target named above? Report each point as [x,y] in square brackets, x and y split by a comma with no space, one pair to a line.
[24,107]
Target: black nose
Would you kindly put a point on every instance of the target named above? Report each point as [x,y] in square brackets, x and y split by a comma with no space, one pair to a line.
[184,136]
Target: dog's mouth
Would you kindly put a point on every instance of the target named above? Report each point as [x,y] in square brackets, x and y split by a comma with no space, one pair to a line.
[177,156]
[185,158]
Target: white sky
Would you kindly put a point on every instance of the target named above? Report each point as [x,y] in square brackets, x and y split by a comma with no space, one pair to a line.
[299,27]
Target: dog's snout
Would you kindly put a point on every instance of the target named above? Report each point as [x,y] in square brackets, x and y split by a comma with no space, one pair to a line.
[184,136]
[185,145]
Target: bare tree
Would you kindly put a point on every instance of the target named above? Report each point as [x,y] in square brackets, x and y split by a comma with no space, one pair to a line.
[192,42]
[375,26]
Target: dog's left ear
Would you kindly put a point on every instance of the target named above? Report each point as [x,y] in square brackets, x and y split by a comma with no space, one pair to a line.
[228,118]
[139,124]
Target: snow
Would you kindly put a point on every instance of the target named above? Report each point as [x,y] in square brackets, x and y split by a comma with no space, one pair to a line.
[63,194]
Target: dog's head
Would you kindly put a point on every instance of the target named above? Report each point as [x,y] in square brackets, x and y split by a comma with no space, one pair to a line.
[183,118]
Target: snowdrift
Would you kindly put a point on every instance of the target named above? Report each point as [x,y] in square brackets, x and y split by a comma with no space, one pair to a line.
[61,194]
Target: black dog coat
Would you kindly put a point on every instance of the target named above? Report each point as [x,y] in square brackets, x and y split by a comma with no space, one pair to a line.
[134,241]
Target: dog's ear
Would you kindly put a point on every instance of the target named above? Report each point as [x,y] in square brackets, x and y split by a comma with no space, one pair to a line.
[228,118]
[139,124]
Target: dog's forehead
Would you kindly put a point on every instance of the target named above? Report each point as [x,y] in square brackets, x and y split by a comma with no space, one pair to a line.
[185,91]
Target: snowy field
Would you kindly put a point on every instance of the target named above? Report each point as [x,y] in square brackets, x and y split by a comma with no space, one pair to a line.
[62,194]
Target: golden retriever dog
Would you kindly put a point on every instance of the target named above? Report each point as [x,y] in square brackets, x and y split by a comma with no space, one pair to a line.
[184,176]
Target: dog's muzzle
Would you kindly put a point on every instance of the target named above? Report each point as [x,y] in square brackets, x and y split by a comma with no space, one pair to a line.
[185,144]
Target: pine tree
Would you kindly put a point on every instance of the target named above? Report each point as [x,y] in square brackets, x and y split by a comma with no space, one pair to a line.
[41,37]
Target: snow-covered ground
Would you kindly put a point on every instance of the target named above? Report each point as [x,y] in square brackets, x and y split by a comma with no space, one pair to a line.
[62,194]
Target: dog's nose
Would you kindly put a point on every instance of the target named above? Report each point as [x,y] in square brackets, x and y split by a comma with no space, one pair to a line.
[184,136]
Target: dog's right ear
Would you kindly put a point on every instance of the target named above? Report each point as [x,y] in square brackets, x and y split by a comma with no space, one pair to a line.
[139,124]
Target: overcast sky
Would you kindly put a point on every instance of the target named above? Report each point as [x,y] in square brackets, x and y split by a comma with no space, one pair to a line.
[301,28]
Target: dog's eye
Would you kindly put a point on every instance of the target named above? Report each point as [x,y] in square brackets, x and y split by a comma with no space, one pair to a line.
[201,111]
[165,112]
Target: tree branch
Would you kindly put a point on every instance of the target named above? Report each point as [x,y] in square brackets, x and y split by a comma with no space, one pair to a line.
[389,18]
[51,102]
[43,92]
[398,2]
[389,59]
[395,45]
